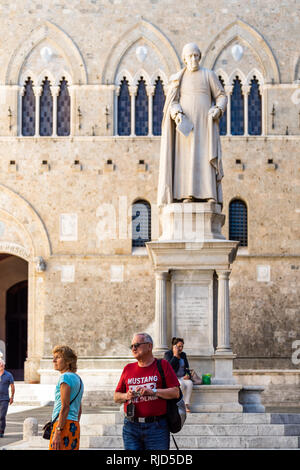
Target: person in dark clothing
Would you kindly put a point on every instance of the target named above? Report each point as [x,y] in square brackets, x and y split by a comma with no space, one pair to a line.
[178,360]
[6,382]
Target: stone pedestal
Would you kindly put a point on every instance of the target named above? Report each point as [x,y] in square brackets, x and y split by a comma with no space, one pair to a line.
[250,399]
[30,428]
[216,399]
[192,263]
[192,221]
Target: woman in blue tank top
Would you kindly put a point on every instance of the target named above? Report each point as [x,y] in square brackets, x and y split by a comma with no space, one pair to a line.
[67,405]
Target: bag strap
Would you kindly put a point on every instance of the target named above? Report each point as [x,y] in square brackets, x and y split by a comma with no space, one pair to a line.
[77,392]
[73,399]
[177,448]
[161,371]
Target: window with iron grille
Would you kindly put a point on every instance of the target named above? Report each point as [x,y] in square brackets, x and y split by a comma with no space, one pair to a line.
[237,109]
[46,110]
[254,109]
[141,223]
[124,109]
[28,109]
[158,106]
[63,109]
[238,224]
[141,109]
[223,120]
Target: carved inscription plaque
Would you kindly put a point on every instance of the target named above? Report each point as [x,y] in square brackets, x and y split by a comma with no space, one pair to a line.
[192,314]
[192,305]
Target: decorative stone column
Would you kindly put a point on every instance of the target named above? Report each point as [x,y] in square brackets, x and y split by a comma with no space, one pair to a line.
[246,91]
[37,91]
[133,93]
[223,356]
[150,91]
[55,93]
[228,91]
[72,93]
[117,90]
[264,109]
[20,108]
[161,322]
[223,312]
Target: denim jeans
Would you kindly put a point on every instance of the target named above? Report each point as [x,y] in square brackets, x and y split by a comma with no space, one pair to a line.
[3,411]
[146,436]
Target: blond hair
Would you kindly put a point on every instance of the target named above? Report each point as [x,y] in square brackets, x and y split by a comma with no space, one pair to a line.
[68,355]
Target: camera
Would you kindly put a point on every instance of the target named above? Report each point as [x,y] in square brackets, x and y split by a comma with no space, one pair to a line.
[130,410]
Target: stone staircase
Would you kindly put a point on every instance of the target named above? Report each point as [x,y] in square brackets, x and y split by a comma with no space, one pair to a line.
[34,394]
[205,431]
[201,431]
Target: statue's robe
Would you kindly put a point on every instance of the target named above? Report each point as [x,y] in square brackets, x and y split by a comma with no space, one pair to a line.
[192,165]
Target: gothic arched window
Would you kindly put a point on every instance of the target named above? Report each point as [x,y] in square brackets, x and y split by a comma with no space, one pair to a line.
[158,106]
[124,109]
[46,109]
[254,109]
[28,109]
[237,108]
[238,222]
[63,109]
[141,109]
[223,120]
[141,223]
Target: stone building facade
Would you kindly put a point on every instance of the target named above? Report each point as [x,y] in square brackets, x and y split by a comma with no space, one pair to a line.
[74,162]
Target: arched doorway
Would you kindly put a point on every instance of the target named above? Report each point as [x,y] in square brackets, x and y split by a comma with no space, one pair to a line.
[14,312]
[16,328]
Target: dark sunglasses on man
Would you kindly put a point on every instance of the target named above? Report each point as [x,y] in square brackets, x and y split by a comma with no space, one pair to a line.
[136,345]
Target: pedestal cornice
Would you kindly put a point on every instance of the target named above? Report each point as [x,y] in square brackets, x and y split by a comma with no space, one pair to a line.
[207,254]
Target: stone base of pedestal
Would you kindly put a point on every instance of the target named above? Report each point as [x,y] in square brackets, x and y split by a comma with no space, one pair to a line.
[223,371]
[193,221]
[216,399]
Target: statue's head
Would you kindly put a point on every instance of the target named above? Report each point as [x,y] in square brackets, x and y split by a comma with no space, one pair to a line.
[191,56]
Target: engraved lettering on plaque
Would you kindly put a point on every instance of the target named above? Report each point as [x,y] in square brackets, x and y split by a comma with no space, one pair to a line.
[192,306]
[192,316]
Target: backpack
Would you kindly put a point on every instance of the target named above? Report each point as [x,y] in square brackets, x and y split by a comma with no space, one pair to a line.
[176,412]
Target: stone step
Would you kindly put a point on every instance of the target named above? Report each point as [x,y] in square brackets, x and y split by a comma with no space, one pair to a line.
[101,418]
[192,418]
[285,418]
[204,430]
[184,443]
[221,438]
[202,442]
[32,402]
[201,431]
[33,394]
[228,418]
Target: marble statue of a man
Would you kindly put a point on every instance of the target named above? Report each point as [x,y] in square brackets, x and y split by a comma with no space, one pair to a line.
[190,165]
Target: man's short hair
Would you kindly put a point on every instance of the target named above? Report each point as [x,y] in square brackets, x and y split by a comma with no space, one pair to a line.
[2,361]
[147,338]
